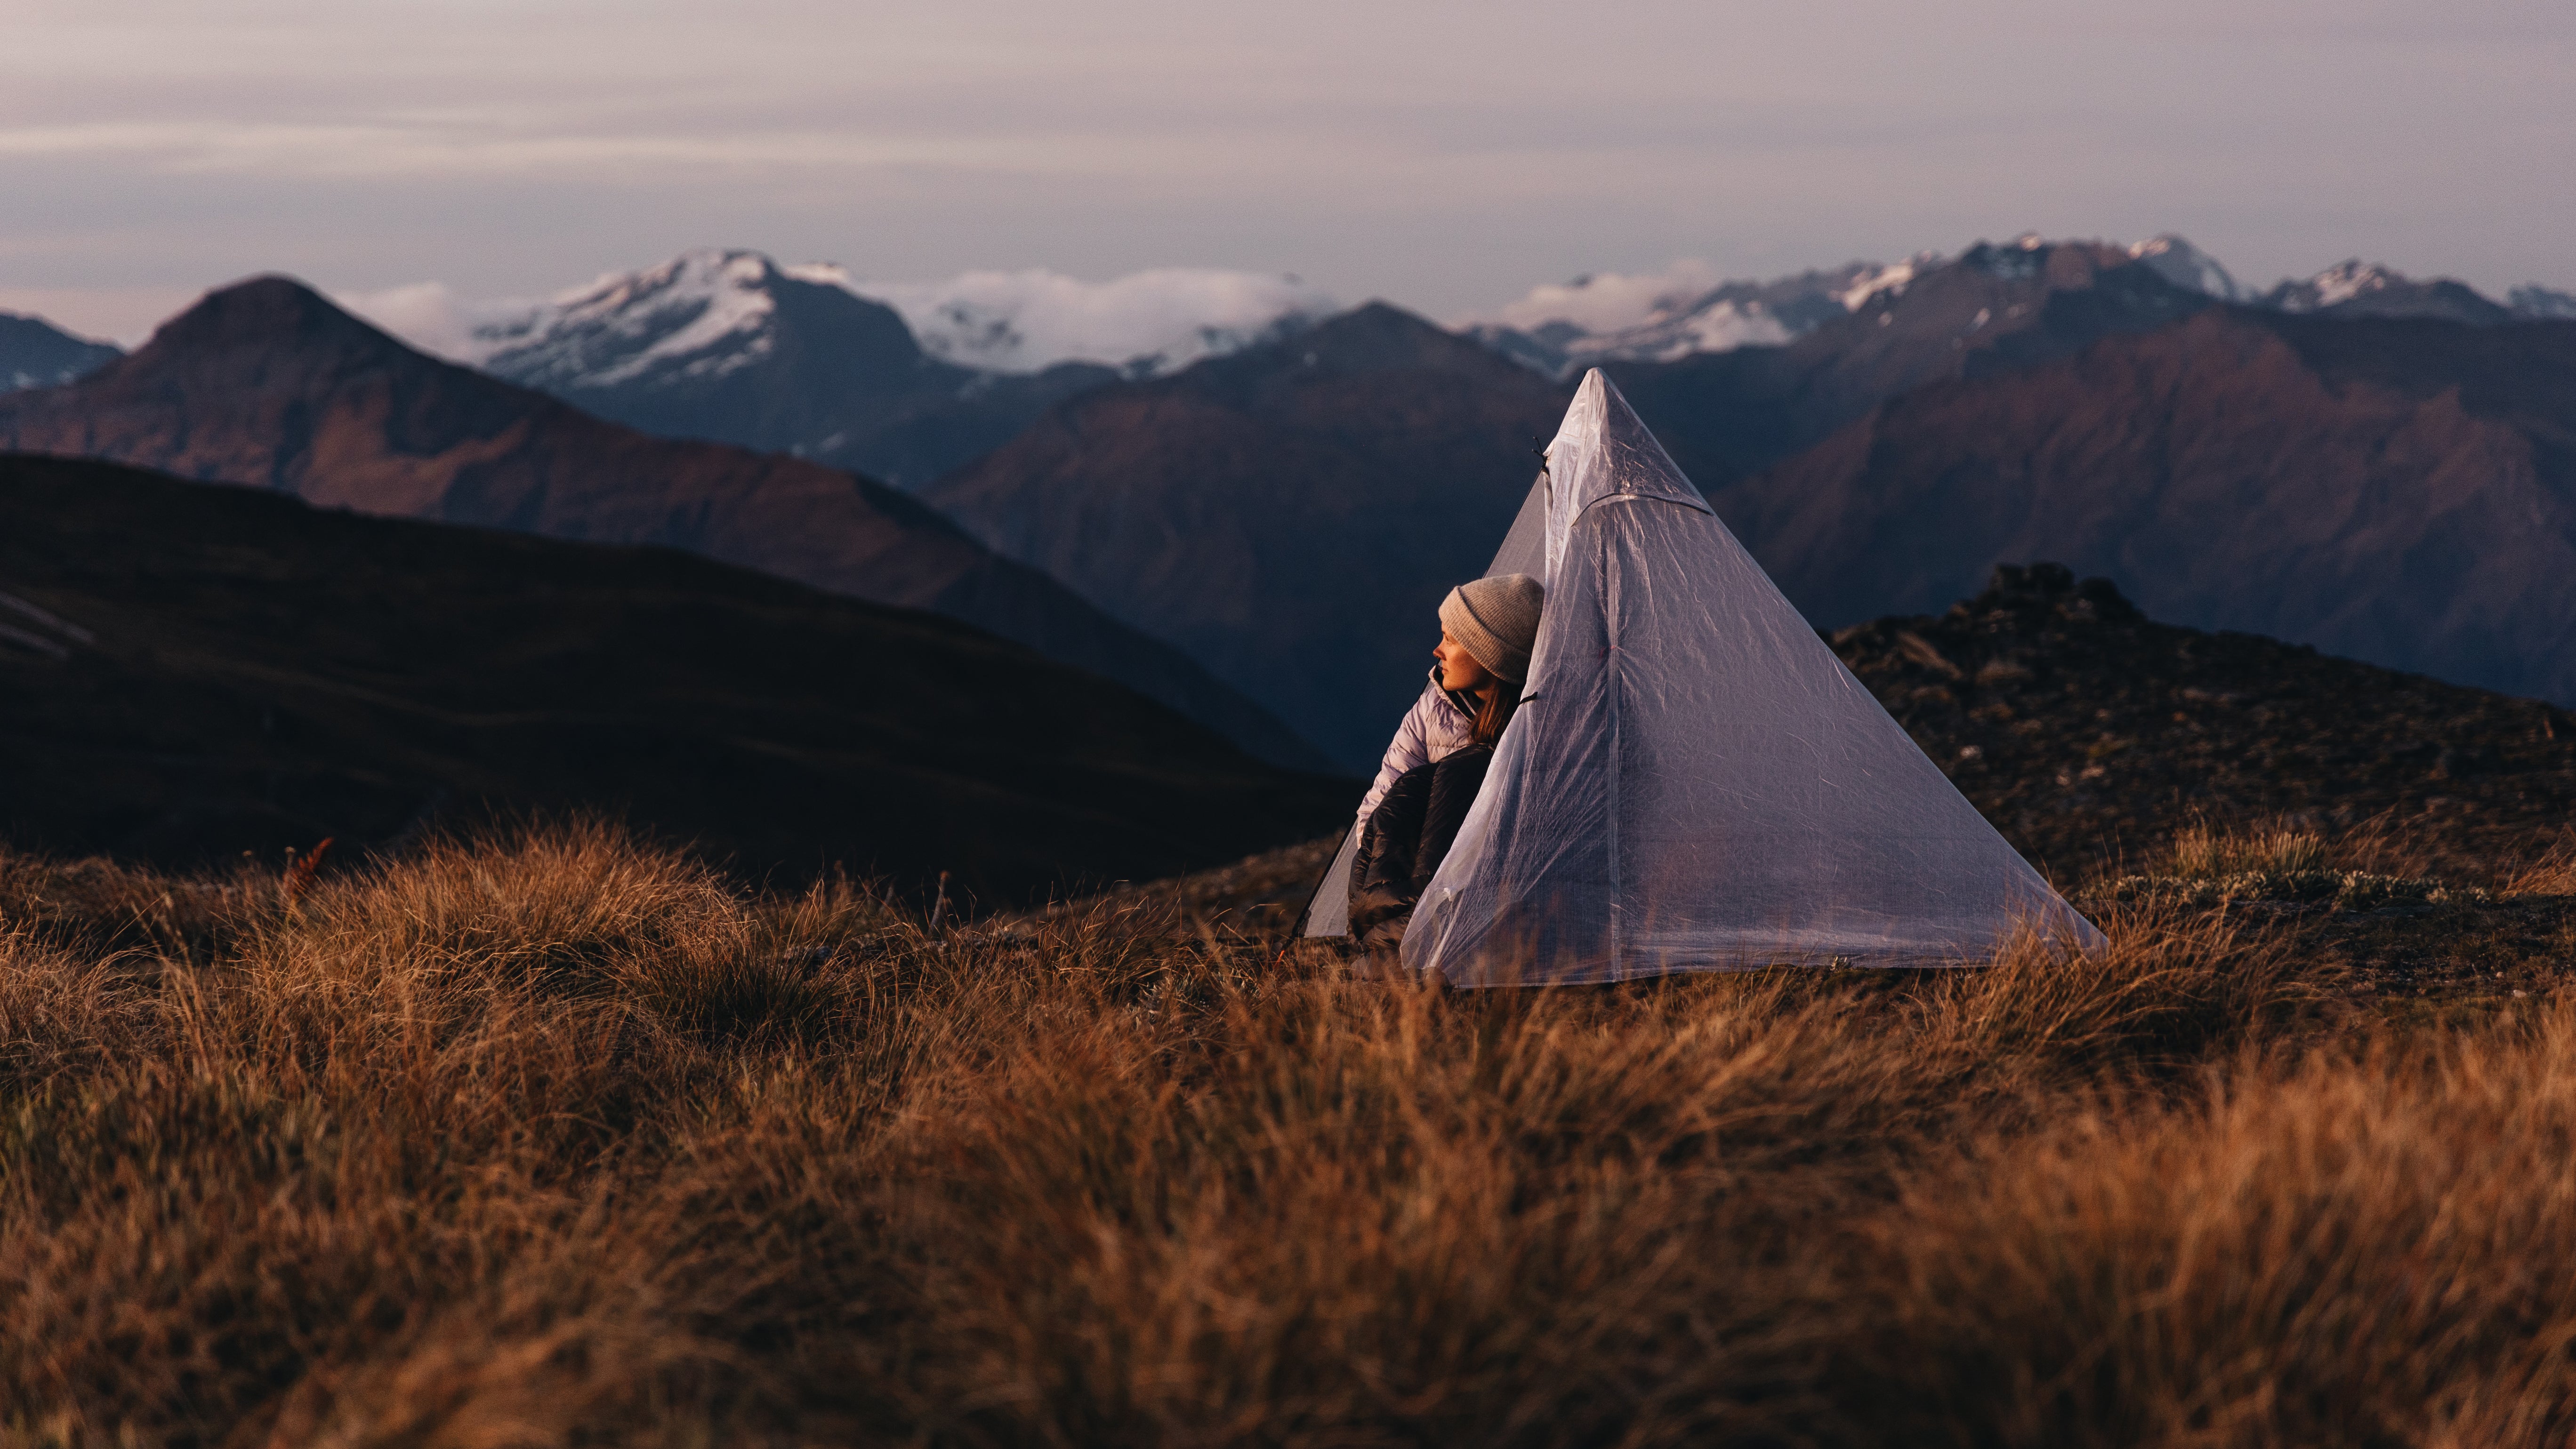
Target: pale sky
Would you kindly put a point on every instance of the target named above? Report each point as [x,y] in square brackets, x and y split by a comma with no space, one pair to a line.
[1446,156]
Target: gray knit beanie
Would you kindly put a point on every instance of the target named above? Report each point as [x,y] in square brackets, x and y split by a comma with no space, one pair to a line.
[1497,619]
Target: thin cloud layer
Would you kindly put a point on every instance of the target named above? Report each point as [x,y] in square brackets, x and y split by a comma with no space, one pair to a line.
[1152,321]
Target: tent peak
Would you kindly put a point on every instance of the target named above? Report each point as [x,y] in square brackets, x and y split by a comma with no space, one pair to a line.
[1603,450]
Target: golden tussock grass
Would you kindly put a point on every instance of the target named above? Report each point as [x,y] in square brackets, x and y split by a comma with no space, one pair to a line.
[557,1139]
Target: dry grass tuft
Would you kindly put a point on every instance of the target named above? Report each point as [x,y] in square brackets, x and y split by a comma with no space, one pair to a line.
[552,1138]
[2551,873]
[2278,850]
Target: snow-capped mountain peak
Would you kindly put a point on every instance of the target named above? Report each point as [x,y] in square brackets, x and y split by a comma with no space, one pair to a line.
[2336,285]
[705,313]
[2371,289]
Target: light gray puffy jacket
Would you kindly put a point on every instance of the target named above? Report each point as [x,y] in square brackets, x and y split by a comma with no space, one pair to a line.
[1439,725]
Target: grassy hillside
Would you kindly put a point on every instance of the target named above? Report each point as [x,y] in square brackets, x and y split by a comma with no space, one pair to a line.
[555,1140]
[188,672]
[552,1136]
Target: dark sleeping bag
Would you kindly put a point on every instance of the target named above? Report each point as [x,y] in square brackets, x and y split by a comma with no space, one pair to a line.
[1404,840]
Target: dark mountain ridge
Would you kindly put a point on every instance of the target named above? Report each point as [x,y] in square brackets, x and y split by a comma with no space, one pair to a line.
[187,673]
[267,384]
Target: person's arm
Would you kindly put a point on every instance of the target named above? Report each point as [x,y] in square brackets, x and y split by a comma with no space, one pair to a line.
[1410,749]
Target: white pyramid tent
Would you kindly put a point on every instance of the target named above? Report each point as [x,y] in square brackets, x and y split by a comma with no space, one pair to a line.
[1693,782]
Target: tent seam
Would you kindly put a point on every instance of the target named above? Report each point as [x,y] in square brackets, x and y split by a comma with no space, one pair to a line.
[1616,584]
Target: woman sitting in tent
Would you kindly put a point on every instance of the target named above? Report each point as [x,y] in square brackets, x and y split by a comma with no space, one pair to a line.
[1437,761]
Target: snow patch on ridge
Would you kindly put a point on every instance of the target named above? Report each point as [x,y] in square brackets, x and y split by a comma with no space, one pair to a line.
[1889,282]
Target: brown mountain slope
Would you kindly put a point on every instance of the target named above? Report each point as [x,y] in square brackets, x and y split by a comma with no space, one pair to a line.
[1290,515]
[191,672]
[267,384]
[2398,490]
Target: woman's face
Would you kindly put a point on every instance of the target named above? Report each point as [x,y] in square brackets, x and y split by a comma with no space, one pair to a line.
[1458,668]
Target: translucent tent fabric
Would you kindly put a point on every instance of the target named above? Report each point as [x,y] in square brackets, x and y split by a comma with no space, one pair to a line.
[1694,782]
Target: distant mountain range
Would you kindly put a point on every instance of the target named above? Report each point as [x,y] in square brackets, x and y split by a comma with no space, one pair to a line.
[907,381]
[1283,508]
[267,384]
[189,672]
[1604,319]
